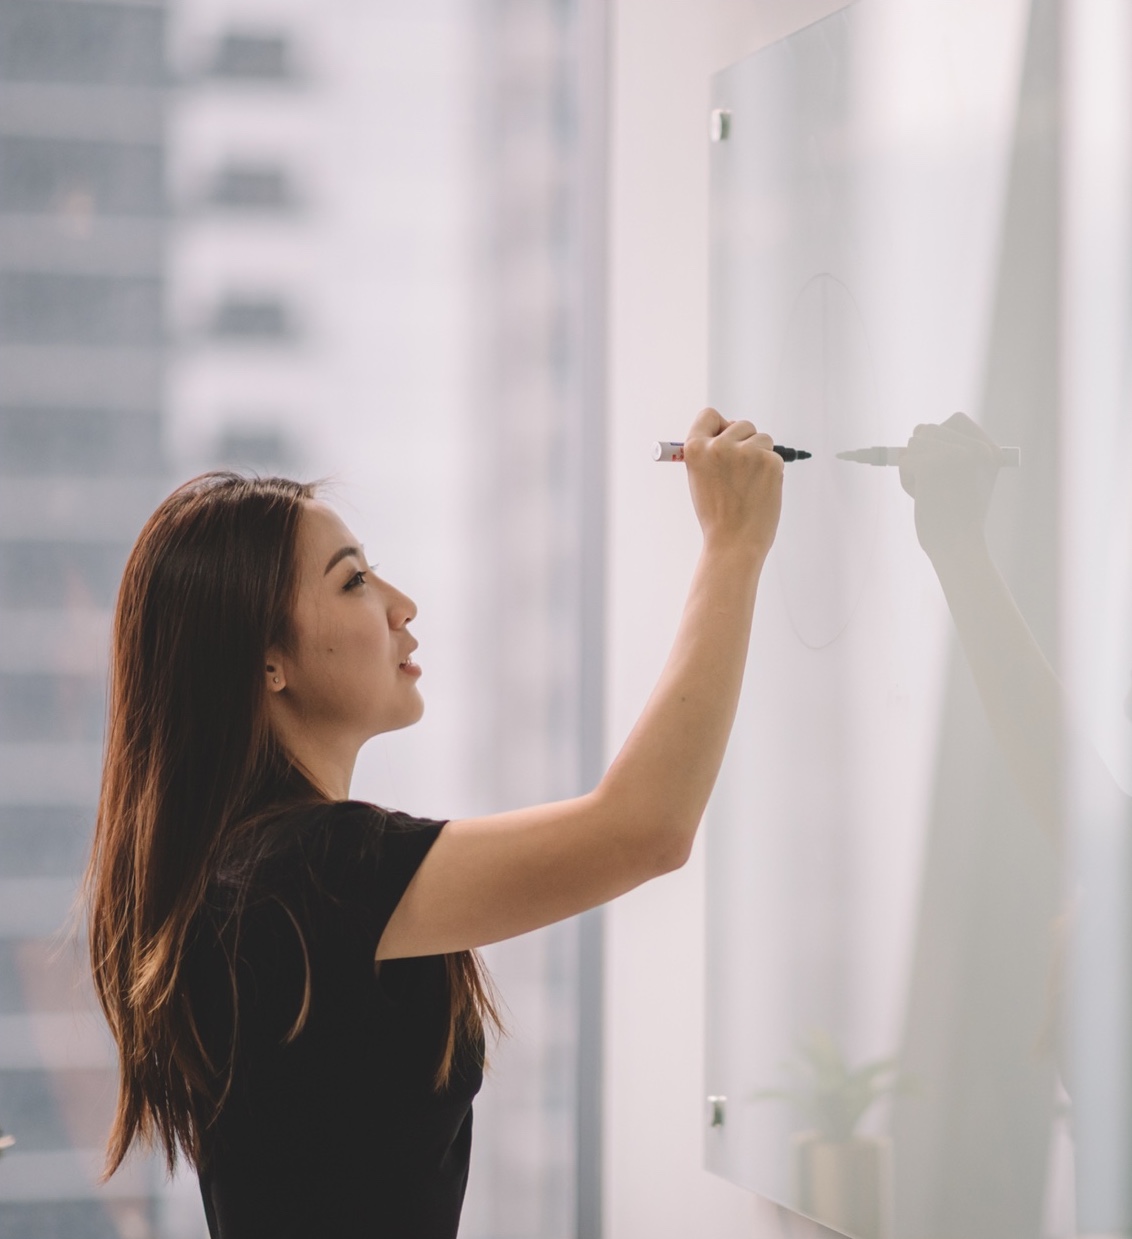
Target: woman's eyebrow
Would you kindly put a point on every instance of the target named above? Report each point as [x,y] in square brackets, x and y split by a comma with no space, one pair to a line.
[341,554]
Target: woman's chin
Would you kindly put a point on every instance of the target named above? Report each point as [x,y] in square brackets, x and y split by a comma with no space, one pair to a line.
[412,713]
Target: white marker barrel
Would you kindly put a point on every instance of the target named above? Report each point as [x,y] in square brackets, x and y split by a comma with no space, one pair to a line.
[668,451]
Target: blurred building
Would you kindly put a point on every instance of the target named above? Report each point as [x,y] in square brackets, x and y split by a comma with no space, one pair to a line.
[244,238]
[351,241]
[539,456]
[81,358]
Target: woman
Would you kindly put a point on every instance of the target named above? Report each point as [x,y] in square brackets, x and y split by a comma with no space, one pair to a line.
[290,975]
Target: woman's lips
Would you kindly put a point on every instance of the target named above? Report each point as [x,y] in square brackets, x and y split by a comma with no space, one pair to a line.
[410,668]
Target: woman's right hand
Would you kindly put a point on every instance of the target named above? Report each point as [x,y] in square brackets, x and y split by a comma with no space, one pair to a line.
[736,482]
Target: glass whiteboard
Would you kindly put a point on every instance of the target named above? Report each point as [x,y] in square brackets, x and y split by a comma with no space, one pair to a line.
[908,909]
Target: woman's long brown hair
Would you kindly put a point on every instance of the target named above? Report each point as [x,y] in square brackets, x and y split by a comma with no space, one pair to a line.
[192,766]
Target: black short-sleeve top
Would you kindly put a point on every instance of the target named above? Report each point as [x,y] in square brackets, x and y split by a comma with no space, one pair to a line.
[337,1130]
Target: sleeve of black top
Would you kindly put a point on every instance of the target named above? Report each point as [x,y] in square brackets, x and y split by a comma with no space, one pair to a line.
[362,859]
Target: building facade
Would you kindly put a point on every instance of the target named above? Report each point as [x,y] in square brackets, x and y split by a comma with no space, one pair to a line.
[82,342]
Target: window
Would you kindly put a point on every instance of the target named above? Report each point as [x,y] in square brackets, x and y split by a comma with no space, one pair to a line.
[251,318]
[252,187]
[255,447]
[252,57]
[78,442]
[39,175]
[38,307]
[55,41]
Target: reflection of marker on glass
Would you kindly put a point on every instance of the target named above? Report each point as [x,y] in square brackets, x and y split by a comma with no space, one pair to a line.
[675,452]
[1009,457]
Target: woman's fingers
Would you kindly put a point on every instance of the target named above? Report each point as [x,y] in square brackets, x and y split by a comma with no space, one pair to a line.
[740,431]
[736,480]
[708,423]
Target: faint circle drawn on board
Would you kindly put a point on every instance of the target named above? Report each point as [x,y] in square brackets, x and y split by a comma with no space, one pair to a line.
[826,402]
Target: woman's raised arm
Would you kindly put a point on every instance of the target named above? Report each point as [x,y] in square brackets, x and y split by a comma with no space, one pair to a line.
[490,878]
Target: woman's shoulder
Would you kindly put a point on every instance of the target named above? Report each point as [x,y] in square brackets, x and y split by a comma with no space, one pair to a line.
[337,825]
[327,842]
[336,870]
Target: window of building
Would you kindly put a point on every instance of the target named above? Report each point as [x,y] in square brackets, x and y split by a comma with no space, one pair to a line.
[252,57]
[78,442]
[42,175]
[46,307]
[260,447]
[252,187]
[251,318]
[62,41]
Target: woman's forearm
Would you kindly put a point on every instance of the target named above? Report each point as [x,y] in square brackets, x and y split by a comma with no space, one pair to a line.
[494,877]
[660,782]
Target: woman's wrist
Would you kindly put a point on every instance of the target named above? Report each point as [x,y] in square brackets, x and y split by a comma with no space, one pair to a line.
[735,553]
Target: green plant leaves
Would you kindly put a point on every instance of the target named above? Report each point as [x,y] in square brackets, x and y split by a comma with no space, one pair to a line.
[834,1097]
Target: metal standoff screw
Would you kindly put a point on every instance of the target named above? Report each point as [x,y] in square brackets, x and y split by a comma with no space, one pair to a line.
[720,124]
[717,1107]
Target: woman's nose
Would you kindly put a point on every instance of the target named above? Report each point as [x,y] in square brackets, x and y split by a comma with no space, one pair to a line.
[402,609]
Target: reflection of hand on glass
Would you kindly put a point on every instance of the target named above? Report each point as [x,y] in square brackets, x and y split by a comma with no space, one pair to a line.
[949,470]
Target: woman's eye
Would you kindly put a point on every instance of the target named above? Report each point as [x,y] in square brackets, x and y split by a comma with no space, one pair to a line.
[357,579]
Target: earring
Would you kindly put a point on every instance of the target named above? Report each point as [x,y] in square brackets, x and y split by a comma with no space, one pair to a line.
[275,679]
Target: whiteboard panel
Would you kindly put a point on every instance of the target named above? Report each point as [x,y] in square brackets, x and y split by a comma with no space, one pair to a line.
[895,862]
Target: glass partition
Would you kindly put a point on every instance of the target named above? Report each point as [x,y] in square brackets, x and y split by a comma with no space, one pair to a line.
[918,849]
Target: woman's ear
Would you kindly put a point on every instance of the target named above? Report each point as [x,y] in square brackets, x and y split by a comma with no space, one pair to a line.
[275,672]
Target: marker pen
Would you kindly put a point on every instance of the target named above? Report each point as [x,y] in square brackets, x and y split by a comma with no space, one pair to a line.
[675,452]
[1008,457]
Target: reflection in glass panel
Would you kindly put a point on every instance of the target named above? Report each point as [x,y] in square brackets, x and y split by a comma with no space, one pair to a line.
[907,875]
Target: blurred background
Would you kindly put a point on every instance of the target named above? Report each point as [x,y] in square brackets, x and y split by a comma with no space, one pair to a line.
[347,242]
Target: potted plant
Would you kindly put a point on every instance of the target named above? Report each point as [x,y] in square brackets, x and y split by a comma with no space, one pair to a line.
[839,1178]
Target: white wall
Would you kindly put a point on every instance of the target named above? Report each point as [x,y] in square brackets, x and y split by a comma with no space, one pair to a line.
[663,55]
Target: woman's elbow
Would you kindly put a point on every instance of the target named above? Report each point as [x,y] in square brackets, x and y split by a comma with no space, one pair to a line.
[652,842]
[673,854]
[649,855]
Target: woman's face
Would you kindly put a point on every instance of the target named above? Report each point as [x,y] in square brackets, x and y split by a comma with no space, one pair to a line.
[349,669]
